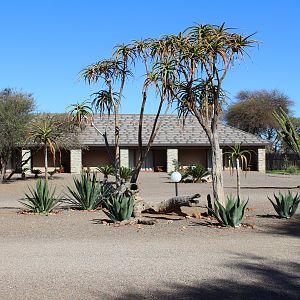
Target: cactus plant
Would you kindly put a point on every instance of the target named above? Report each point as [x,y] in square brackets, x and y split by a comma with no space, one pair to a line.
[120,207]
[286,205]
[232,214]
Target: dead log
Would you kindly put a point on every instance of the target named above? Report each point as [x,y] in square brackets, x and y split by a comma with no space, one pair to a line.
[174,204]
[171,205]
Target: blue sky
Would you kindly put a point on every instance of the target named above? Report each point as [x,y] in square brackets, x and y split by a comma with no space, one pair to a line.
[45,44]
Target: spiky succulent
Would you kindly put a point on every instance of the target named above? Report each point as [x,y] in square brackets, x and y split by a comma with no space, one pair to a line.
[232,214]
[286,205]
[88,193]
[120,207]
[41,199]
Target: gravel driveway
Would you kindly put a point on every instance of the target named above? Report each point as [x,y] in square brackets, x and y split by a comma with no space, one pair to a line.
[71,255]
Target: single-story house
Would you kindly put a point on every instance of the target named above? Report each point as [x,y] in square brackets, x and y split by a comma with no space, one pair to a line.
[188,144]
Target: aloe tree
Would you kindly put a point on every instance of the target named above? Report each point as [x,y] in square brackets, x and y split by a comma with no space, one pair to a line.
[81,114]
[144,51]
[43,132]
[108,102]
[53,133]
[189,69]
[288,132]
[239,161]
[111,72]
[202,56]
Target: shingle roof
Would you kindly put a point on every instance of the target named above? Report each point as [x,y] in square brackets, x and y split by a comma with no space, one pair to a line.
[171,133]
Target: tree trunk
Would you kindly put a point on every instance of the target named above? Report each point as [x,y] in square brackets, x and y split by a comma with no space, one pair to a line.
[117,151]
[238,182]
[46,162]
[155,128]
[3,170]
[217,169]
[136,171]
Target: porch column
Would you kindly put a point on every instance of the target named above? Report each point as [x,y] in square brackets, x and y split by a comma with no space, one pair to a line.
[124,158]
[25,155]
[261,161]
[172,154]
[76,161]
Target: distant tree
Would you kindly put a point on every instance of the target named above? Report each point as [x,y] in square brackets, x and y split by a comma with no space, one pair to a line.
[15,113]
[253,112]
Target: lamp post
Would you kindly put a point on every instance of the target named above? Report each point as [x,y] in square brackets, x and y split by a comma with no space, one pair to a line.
[176,177]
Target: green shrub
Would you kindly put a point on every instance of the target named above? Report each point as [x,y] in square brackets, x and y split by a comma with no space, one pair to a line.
[291,170]
[41,199]
[196,172]
[286,205]
[232,214]
[119,207]
[88,193]
[106,170]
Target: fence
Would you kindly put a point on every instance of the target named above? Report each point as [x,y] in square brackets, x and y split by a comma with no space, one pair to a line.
[281,161]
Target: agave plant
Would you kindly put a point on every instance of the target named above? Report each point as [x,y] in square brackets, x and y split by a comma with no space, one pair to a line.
[41,199]
[106,170]
[286,205]
[120,207]
[125,173]
[88,193]
[232,214]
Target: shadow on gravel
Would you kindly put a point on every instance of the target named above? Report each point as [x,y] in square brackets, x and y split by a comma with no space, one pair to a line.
[254,280]
[9,208]
[268,216]
[268,187]
[289,227]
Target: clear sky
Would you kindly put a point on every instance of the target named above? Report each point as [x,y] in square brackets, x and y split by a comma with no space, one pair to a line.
[45,44]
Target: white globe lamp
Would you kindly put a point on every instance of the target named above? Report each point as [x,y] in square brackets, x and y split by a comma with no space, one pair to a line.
[176,177]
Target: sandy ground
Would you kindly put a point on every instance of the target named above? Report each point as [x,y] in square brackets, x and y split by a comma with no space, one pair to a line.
[71,255]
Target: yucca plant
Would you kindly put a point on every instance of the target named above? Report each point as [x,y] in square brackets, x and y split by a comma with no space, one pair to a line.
[106,170]
[125,173]
[232,214]
[41,199]
[286,205]
[120,207]
[88,193]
